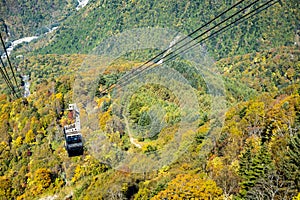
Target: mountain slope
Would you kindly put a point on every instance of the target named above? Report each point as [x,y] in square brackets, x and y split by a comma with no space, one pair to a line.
[23,18]
[252,151]
[101,19]
[260,126]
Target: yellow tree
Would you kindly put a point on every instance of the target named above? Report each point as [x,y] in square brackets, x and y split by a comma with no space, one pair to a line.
[281,117]
[5,188]
[41,180]
[254,119]
[226,176]
[29,137]
[189,186]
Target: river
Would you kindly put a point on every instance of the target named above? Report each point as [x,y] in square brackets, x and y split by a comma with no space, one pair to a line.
[81,4]
[15,43]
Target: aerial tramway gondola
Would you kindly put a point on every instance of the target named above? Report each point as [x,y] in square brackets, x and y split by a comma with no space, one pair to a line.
[73,136]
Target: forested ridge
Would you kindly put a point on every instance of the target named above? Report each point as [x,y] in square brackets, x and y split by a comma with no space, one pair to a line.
[26,18]
[256,155]
[102,19]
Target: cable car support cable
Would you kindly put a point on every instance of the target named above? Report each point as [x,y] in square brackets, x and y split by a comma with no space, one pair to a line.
[186,37]
[245,17]
[8,60]
[7,79]
[237,21]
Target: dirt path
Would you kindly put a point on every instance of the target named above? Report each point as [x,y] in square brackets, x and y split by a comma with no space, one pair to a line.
[132,140]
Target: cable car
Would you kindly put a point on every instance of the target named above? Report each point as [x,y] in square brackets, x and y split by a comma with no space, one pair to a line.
[73,136]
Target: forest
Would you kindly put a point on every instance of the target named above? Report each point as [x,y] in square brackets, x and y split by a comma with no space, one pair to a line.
[245,148]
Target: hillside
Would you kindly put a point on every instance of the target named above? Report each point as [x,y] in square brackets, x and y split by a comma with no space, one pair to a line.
[226,129]
[27,18]
[101,19]
[32,143]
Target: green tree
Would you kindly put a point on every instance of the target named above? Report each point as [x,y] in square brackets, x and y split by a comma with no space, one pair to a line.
[293,161]
[253,166]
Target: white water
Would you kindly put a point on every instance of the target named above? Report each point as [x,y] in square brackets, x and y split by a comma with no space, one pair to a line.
[172,43]
[81,4]
[25,78]
[25,39]
[16,43]
[8,34]
[51,30]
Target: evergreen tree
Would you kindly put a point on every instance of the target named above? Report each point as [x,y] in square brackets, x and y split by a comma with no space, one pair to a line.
[245,172]
[253,167]
[293,162]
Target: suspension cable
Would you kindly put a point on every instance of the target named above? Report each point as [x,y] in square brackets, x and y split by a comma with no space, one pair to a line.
[237,21]
[9,63]
[183,39]
[6,78]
